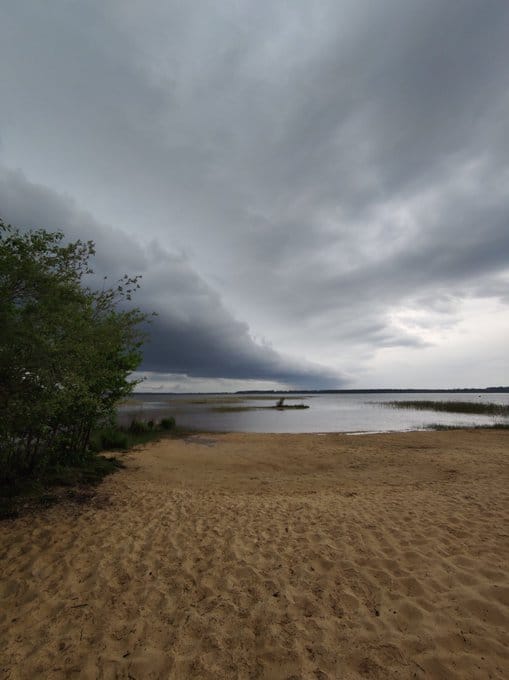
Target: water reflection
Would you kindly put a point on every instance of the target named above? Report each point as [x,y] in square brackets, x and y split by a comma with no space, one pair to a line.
[327,413]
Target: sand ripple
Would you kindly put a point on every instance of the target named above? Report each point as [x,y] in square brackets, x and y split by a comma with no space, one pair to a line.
[270,556]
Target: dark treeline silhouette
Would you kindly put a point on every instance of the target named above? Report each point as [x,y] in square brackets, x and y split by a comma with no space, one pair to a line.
[398,390]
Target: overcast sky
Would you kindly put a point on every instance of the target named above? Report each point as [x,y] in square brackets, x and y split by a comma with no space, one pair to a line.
[316,193]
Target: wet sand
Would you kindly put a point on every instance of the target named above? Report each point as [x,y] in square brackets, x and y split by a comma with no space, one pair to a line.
[270,556]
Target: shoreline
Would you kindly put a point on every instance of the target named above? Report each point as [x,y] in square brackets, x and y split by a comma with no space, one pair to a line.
[271,556]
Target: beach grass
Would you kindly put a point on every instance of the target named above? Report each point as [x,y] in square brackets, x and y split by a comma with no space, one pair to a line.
[491,426]
[469,407]
[57,482]
[226,399]
[238,409]
[53,484]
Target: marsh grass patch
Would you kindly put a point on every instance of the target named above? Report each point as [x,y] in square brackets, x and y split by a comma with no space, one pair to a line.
[467,407]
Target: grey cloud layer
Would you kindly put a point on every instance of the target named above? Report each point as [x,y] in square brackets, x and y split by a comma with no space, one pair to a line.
[193,333]
[323,165]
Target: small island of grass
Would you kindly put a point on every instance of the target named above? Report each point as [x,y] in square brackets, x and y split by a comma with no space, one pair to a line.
[468,407]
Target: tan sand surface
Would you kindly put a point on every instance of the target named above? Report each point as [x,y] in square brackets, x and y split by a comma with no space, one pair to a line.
[270,556]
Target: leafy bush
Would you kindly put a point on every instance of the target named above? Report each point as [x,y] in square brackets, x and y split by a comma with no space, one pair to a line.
[67,351]
[139,427]
[167,423]
[113,439]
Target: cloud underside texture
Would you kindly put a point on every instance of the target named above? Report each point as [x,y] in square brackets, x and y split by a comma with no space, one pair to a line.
[334,174]
[192,334]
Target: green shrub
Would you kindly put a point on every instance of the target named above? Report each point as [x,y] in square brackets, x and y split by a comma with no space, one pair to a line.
[139,427]
[67,351]
[113,439]
[167,423]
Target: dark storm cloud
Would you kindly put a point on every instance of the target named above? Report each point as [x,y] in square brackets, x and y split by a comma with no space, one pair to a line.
[193,333]
[327,168]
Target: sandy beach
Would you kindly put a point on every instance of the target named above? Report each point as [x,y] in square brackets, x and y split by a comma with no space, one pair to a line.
[270,556]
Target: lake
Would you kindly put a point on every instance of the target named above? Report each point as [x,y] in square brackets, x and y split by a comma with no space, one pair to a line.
[353,413]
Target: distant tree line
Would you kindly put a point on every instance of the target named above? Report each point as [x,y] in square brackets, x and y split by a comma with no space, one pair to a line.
[414,390]
[66,350]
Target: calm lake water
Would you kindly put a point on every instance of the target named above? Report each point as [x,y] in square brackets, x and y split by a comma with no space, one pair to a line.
[354,413]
